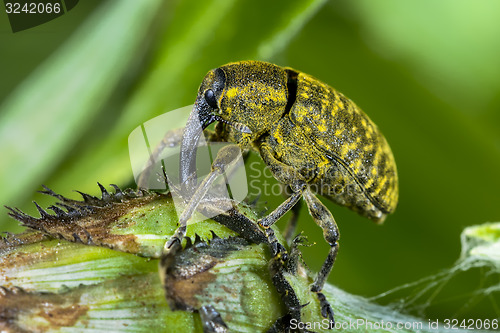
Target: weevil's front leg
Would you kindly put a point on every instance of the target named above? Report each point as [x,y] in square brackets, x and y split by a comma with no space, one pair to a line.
[325,220]
[225,156]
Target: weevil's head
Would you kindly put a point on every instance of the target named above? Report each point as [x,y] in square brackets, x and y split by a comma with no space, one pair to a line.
[248,96]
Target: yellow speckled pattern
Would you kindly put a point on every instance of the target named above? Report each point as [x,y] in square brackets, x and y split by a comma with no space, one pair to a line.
[351,139]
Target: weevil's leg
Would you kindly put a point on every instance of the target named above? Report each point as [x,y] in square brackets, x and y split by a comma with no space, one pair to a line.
[240,223]
[278,251]
[325,220]
[282,209]
[318,211]
[211,320]
[295,256]
[291,225]
[287,175]
[279,271]
[225,156]
[326,309]
[171,139]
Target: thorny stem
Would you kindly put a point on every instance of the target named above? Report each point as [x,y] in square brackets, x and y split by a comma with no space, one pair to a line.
[83,284]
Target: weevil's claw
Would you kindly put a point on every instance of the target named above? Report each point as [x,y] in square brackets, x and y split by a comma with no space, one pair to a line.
[300,239]
[279,252]
[211,320]
[299,308]
[326,309]
[173,245]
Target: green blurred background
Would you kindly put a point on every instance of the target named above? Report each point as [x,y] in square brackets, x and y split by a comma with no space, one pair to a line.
[427,72]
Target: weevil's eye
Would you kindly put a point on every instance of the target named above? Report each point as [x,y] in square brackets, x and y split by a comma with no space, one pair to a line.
[210,98]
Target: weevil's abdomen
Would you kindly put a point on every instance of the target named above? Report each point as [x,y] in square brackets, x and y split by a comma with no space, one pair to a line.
[346,136]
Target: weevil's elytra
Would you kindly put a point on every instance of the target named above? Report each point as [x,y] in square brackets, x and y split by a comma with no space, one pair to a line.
[346,147]
[310,136]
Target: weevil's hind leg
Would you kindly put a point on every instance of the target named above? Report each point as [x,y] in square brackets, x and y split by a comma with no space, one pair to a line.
[211,320]
[225,156]
[325,220]
[172,138]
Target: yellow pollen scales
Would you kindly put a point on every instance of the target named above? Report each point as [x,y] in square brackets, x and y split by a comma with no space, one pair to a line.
[324,163]
[376,158]
[232,93]
[369,183]
[322,127]
[380,184]
[347,148]
[357,165]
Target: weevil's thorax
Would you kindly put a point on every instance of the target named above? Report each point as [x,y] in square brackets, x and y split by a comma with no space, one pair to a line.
[254,95]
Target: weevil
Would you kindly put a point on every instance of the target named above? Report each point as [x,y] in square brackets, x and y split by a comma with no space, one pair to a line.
[311,137]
